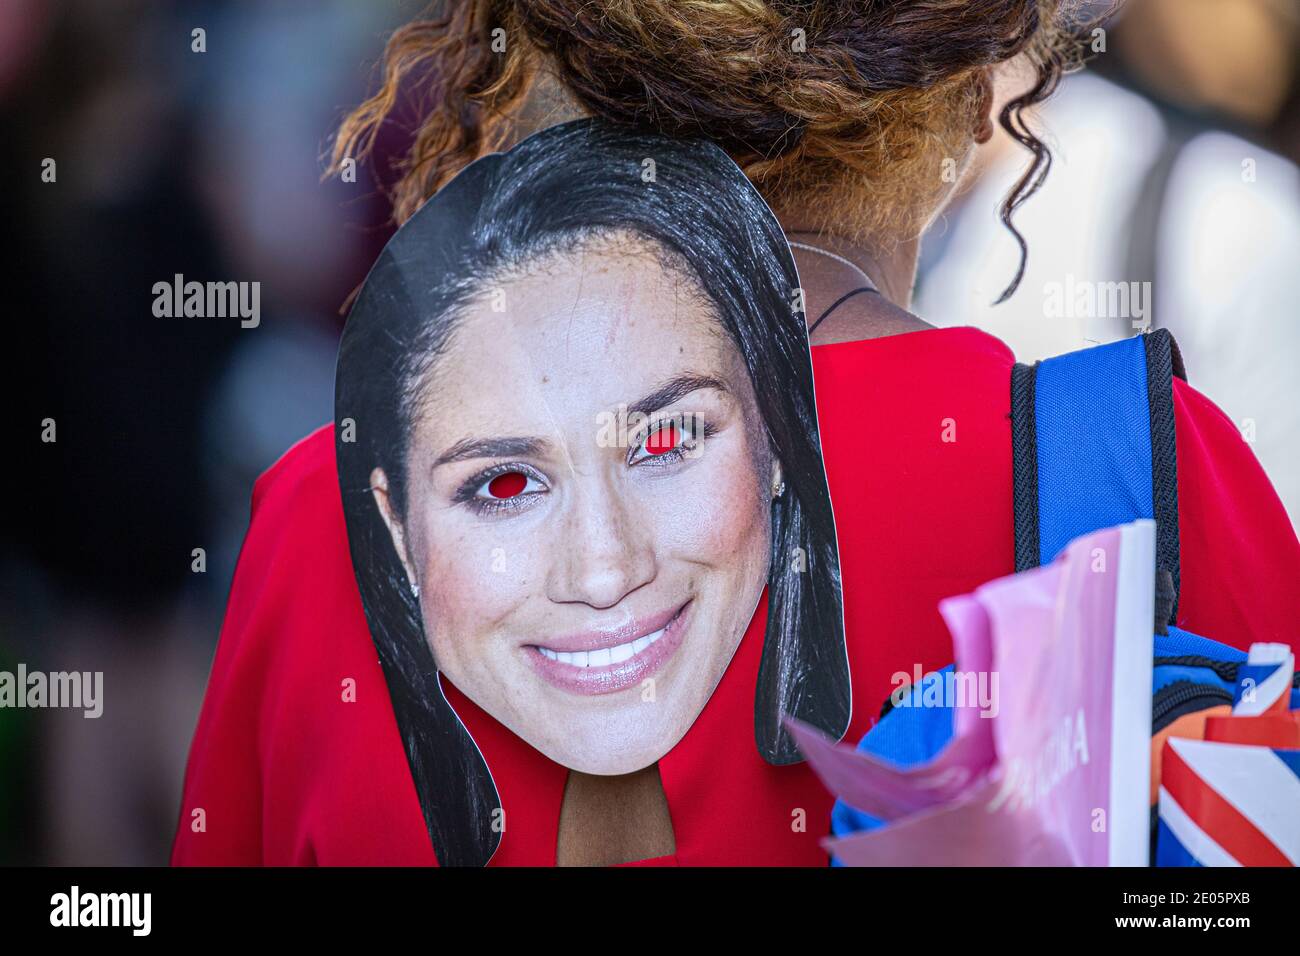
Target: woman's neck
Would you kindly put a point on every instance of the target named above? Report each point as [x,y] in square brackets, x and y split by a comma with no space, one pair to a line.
[833,266]
[891,270]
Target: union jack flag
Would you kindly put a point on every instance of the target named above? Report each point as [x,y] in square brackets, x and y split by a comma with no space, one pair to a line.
[1224,804]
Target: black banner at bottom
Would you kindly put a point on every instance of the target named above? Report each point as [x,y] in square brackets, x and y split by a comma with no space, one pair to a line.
[333,906]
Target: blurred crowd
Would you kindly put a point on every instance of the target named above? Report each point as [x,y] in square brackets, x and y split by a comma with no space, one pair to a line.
[1175,163]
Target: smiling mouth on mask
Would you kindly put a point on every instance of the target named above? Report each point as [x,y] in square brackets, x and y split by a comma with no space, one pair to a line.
[593,664]
[606,655]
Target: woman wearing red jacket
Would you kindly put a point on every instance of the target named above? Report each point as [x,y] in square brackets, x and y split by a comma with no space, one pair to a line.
[298,757]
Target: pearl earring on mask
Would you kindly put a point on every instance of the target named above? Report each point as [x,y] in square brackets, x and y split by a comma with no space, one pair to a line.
[415,590]
[778,490]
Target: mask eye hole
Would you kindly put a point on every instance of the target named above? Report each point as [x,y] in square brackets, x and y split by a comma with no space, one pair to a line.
[663,440]
[509,485]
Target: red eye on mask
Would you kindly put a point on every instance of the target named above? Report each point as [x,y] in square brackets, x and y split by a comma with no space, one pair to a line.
[662,440]
[509,485]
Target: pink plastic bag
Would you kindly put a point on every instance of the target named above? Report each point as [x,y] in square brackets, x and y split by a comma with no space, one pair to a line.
[1056,771]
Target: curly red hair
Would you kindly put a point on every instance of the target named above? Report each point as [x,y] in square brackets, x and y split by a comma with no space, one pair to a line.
[841,111]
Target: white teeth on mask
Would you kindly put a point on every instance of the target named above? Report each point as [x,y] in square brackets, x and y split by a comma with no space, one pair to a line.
[606,655]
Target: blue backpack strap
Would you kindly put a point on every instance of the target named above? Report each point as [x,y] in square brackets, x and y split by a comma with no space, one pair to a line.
[1093,446]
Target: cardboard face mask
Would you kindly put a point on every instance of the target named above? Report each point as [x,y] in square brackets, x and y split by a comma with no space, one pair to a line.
[576,440]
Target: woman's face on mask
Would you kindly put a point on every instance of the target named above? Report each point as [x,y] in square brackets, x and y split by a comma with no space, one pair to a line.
[588,511]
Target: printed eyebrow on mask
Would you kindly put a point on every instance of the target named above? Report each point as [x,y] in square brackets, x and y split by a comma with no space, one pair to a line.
[470,448]
[674,390]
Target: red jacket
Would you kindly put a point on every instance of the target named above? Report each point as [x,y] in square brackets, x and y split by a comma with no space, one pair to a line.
[285,771]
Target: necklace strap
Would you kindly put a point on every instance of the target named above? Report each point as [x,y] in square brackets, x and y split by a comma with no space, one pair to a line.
[837,303]
[838,258]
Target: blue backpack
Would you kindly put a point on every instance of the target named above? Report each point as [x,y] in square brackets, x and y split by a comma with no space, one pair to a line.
[1092,447]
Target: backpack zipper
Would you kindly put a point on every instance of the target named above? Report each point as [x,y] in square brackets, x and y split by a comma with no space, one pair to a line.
[1226,670]
[1176,696]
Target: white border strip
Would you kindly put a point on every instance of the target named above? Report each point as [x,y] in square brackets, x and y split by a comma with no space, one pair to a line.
[1129,820]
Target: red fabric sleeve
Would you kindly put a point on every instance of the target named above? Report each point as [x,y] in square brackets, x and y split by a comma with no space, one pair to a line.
[296,758]
[1240,559]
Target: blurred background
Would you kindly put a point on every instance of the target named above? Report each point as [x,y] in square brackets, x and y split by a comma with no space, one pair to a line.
[1175,164]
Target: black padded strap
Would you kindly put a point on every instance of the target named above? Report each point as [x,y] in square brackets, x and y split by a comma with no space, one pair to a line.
[1163,362]
[1024,465]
